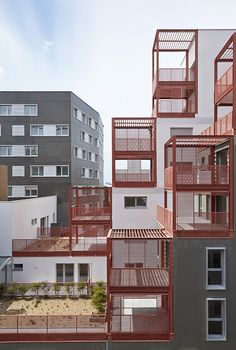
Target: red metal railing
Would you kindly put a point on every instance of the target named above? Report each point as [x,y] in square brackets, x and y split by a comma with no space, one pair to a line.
[52,323]
[208,131]
[202,174]
[53,232]
[168,177]
[224,84]
[91,244]
[134,144]
[124,176]
[90,213]
[89,230]
[209,221]
[176,74]
[42,244]
[165,217]
[224,125]
[154,83]
[175,106]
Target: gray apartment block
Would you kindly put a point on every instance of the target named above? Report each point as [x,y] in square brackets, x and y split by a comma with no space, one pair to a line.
[68,135]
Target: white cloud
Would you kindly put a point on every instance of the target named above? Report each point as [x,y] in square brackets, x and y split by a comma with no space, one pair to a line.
[47,45]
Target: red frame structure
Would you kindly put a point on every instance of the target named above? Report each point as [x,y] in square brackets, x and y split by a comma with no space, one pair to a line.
[175,86]
[133,273]
[134,140]
[185,177]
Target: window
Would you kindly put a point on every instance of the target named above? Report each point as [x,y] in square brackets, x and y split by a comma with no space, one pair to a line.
[62,170]
[76,113]
[89,155]
[82,136]
[96,125]
[84,272]
[5,151]
[18,130]
[18,170]
[84,118]
[83,154]
[31,191]
[90,122]
[96,157]
[37,170]
[96,142]
[18,267]
[90,173]
[31,110]
[10,192]
[90,139]
[216,319]
[216,268]
[64,273]
[6,110]
[96,174]
[82,172]
[135,202]
[62,130]
[31,150]
[76,152]
[34,221]
[36,130]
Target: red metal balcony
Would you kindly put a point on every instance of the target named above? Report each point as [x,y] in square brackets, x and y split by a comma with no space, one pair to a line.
[134,152]
[224,85]
[205,174]
[224,126]
[165,218]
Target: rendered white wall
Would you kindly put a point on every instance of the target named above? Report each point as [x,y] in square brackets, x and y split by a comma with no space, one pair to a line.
[5,228]
[44,268]
[134,218]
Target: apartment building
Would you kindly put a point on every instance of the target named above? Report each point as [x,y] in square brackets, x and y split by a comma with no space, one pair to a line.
[163,237]
[50,141]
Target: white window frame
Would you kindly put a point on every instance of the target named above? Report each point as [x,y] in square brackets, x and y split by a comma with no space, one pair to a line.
[135,206]
[82,135]
[36,166]
[83,154]
[39,126]
[19,268]
[64,272]
[84,118]
[6,114]
[223,319]
[9,148]
[83,172]
[32,155]
[31,188]
[61,126]
[31,114]
[222,269]
[62,166]
[14,169]
[76,152]
[90,171]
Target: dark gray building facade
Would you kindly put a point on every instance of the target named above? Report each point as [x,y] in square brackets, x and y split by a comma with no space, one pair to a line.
[50,140]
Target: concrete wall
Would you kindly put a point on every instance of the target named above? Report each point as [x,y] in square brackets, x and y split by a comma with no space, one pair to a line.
[16,216]
[44,268]
[134,218]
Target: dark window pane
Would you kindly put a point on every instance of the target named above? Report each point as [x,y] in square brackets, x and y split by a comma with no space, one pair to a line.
[59,272]
[214,277]
[83,272]
[69,272]
[141,201]
[129,202]
[214,308]
[215,328]
[214,259]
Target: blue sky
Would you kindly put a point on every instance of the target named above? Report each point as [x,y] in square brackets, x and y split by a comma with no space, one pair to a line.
[99,49]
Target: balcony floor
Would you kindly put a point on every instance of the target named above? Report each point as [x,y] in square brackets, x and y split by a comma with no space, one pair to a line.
[139,277]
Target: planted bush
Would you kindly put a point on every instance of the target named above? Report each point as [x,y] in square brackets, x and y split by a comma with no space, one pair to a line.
[80,286]
[69,288]
[2,290]
[35,287]
[98,296]
[56,288]
[23,289]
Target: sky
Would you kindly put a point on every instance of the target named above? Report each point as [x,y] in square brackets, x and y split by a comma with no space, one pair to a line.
[99,49]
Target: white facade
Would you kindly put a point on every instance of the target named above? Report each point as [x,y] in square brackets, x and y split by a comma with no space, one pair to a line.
[16,219]
[44,268]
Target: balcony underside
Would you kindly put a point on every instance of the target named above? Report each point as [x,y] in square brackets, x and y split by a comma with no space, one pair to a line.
[139,279]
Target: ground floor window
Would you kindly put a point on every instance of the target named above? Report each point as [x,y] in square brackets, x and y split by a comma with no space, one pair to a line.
[64,273]
[216,319]
[84,272]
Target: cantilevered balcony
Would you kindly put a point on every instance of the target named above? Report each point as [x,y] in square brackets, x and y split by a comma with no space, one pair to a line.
[174,89]
[223,87]
[134,152]
[140,301]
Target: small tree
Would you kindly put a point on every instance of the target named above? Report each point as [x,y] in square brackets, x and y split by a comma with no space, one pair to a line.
[13,289]
[45,287]
[35,287]
[56,288]
[2,290]
[98,296]
[69,288]
[80,286]
[23,289]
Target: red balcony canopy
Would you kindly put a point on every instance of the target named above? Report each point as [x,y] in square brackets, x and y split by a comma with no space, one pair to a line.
[196,141]
[139,234]
[171,40]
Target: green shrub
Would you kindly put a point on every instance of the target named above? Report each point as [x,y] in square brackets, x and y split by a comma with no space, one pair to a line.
[35,287]
[98,296]
[13,289]
[69,288]
[2,290]
[80,286]
[45,287]
[23,289]
[56,288]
